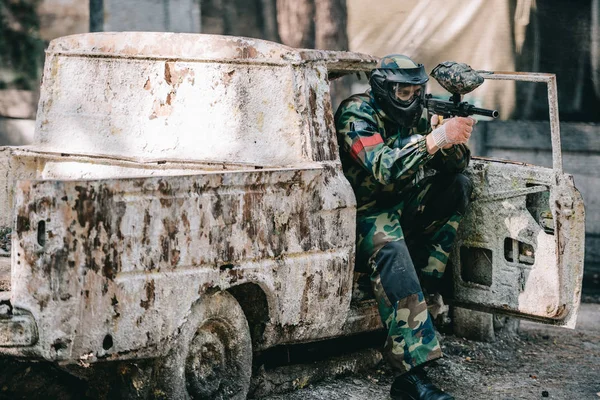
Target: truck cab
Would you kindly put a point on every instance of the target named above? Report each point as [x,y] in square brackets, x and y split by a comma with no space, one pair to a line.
[183,202]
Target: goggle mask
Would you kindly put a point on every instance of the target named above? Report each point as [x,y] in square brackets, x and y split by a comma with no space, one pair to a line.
[405,94]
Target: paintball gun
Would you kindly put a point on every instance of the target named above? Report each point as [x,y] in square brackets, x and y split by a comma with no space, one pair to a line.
[458,79]
[456,108]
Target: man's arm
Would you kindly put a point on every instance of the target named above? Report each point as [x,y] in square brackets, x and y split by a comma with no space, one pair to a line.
[452,160]
[454,155]
[360,136]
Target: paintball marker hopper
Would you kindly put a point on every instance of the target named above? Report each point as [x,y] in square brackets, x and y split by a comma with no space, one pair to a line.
[457,78]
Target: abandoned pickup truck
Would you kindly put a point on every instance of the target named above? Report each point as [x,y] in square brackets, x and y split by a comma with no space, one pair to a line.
[183,202]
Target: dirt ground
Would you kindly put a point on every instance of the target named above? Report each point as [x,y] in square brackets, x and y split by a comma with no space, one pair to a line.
[538,362]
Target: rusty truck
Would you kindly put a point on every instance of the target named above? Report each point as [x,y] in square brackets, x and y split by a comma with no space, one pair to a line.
[183,201]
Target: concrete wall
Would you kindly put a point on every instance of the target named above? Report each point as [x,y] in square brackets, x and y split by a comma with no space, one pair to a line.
[18,107]
[152,15]
[529,141]
[63,17]
[17,116]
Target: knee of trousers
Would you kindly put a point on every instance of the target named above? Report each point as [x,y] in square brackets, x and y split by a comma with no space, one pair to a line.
[461,187]
[396,271]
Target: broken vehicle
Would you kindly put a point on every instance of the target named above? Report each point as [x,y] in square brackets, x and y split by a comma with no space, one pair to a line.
[184,202]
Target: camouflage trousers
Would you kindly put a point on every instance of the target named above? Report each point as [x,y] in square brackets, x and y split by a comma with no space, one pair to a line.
[400,241]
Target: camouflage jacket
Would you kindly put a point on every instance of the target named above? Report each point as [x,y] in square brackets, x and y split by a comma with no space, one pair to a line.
[380,158]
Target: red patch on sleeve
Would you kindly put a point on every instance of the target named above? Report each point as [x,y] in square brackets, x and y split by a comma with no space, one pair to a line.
[363,142]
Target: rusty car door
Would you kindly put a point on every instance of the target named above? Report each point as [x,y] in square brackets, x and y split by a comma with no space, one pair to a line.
[520,247]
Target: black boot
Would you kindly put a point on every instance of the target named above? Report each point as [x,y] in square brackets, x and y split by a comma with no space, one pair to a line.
[415,385]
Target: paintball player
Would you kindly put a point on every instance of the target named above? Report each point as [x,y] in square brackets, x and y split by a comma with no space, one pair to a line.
[410,196]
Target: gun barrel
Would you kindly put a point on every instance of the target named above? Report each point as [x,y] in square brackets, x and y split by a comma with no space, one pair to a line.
[485,112]
[464,109]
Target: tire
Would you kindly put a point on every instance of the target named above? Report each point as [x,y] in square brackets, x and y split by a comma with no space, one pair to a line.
[213,355]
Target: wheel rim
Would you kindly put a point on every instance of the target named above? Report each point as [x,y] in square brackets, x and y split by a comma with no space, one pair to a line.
[211,368]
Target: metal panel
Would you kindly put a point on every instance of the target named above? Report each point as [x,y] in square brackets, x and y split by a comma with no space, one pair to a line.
[128,258]
[520,247]
[192,97]
[550,81]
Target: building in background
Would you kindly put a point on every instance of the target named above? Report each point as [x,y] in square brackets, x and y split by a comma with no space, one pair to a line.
[476,32]
[182,16]
[26,29]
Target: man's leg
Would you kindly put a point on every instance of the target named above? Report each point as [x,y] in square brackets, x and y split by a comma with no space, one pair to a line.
[434,221]
[411,337]
[431,213]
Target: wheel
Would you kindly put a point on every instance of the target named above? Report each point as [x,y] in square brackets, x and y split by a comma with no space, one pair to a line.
[213,355]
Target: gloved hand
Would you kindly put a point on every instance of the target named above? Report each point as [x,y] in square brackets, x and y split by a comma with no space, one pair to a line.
[451,131]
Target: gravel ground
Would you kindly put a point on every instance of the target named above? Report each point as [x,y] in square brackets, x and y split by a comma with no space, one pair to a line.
[539,362]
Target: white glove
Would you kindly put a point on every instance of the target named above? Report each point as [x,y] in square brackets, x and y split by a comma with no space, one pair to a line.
[453,131]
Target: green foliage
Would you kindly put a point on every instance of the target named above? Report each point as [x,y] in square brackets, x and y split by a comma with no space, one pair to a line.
[21,49]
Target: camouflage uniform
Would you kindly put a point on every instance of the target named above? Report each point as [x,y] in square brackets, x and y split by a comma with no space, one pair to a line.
[407,216]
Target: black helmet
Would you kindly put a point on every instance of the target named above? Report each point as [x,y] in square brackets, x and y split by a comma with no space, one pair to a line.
[392,73]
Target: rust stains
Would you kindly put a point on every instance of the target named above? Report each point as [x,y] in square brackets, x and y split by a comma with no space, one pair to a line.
[324,144]
[562,238]
[246,51]
[147,220]
[227,77]
[186,222]
[175,257]
[150,295]
[85,206]
[166,202]
[161,108]
[97,213]
[165,188]
[312,102]
[114,302]
[330,126]
[306,294]
[175,75]
[235,275]
[186,229]
[23,223]
[224,220]
[169,244]
[170,98]
[168,77]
